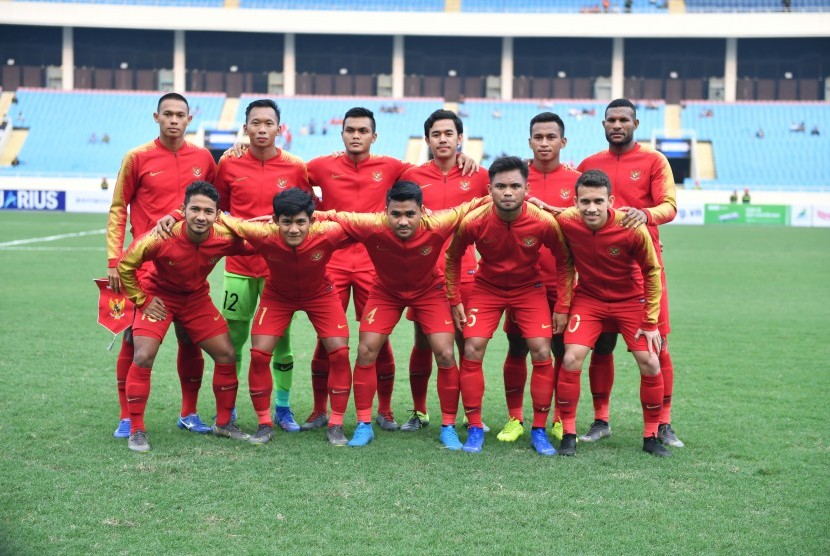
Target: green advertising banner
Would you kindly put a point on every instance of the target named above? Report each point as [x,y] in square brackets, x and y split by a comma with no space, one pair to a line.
[770,215]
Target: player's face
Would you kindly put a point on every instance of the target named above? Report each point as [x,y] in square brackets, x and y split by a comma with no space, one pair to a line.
[620,124]
[508,190]
[443,139]
[294,229]
[403,217]
[593,204]
[200,214]
[172,118]
[358,135]
[262,127]
[546,141]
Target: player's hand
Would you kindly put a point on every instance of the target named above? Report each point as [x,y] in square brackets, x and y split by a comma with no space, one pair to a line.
[164,227]
[458,316]
[468,165]
[544,206]
[115,279]
[560,321]
[654,342]
[633,217]
[155,309]
[237,150]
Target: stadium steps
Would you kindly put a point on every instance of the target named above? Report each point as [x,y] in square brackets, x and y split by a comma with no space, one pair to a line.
[15,144]
[228,117]
[415,150]
[677,6]
[705,157]
[5,103]
[673,118]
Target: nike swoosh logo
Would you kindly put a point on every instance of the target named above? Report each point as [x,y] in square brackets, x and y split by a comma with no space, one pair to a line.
[216,317]
[470,410]
[153,174]
[379,248]
[339,391]
[133,400]
[546,325]
[241,178]
[335,176]
[653,406]
[226,388]
[342,325]
[447,322]
[425,185]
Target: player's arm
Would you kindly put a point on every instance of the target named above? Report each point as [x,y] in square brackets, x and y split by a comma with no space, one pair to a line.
[141,250]
[646,256]
[452,270]
[664,193]
[122,196]
[447,221]
[360,226]
[554,240]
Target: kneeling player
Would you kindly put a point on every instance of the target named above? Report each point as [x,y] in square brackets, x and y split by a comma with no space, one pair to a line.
[177,291]
[619,282]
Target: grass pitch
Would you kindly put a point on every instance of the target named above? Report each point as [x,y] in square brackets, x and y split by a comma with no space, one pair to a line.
[750,320]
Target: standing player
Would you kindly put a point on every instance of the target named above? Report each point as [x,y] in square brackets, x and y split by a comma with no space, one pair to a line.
[619,281]
[247,186]
[151,182]
[404,244]
[443,186]
[552,183]
[296,250]
[509,235]
[176,290]
[645,191]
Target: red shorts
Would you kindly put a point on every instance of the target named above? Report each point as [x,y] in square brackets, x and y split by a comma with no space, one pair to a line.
[465,289]
[273,316]
[663,324]
[589,316]
[196,314]
[510,325]
[430,309]
[528,304]
[360,282]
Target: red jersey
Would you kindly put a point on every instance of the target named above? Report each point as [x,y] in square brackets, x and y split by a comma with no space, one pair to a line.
[614,263]
[442,191]
[181,267]
[510,251]
[357,187]
[296,272]
[151,182]
[405,267]
[640,178]
[557,189]
[247,186]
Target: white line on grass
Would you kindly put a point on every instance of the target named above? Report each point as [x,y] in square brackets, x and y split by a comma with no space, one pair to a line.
[61,249]
[50,238]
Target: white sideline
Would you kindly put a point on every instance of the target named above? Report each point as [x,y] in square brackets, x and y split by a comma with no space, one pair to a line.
[50,238]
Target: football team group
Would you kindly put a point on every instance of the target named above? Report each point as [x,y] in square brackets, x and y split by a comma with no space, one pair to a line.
[570,257]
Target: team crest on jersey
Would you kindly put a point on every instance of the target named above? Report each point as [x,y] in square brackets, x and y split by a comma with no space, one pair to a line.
[377,176]
[282,182]
[565,194]
[316,256]
[213,260]
[117,307]
[529,241]
[635,174]
[614,251]
[465,185]
[426,250]
[197,171]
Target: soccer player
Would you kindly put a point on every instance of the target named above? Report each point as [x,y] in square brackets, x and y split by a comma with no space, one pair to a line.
[247,186]
[176,290]
[508,235]
[405,244]
[151,182]
[443,186]
[645,191]
[619,281]
[297,249]
[551,182]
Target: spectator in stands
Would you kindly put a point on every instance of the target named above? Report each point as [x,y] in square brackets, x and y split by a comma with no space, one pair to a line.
[815,130]
[104,184]
[786,4]
[312,126]
[734,197]
[105,139]
[15,162]
[798,128]
[20,121]
[706,113]
[628,5]
[760,133]
[746,198]
[93,139]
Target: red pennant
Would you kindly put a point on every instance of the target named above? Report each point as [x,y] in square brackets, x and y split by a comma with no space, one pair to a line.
[115,310]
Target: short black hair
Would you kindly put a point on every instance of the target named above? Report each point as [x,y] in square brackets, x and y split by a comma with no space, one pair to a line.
[507,163]
[593,178]
[172,96]
[546,117]
[443,115]
[359,112]
[292,202]
[262,103]
[621,103]
[200,187]
[405,191]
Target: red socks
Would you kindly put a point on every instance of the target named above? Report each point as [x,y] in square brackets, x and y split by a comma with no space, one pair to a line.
[385,368]
[365,385]
[225,385]
[420,369]
[515,377]
[449,388]
[651,397]
[567,398]
[339,384]
[667,370]
[541,391]
[191,366]
[122,367]
[261,385]
[137,392]
[472,390]
[601,377]
[320,378]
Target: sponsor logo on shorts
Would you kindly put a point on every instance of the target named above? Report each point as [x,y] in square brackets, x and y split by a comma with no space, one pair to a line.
[342,325]
[447,322]
[546,325]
